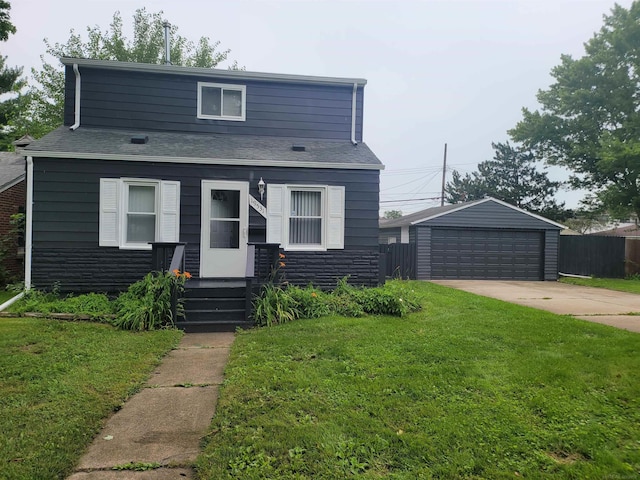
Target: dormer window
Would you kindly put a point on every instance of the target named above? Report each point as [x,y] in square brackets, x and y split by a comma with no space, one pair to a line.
[217,101]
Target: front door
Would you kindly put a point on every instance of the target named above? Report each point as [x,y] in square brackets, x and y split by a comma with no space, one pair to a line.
[224,219]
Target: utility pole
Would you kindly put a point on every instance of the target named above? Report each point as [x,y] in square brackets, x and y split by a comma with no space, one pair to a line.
[444,173]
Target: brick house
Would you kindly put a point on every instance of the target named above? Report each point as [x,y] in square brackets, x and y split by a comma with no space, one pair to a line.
[12,201]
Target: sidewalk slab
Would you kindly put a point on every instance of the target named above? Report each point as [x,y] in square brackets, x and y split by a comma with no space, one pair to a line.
[191,366]
[626,322]
[163,425]
[207,340]
[158,474]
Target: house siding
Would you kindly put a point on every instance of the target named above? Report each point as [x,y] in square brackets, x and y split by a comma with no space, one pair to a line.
[551,248]
[12,201]
[423,251]
[65,221]
[152,101]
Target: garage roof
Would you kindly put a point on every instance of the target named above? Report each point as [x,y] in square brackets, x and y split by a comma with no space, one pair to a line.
[436,212]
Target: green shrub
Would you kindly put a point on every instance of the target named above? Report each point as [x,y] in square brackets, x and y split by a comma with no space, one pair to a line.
[344,305]
[147,304]
[273,306]
[310,302]
[277,304]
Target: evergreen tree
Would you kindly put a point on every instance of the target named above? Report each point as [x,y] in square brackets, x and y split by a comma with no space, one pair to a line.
[10,83]
[511,177]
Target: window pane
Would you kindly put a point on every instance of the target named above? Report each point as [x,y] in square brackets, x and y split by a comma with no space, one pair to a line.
[211,99]
[224,234]
[232,103]
[141,228]
[142,199]
[305,231]
[225,204]
[306,204]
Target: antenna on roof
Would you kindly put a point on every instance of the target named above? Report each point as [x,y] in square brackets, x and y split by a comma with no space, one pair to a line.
[167,44]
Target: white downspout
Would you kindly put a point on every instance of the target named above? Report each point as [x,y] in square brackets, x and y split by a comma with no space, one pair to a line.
[353,114]
[28,234]
[77,104]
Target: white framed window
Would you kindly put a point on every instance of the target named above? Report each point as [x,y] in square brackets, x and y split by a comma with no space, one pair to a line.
[140,206]
[135,212]
[219,101]
[305,217]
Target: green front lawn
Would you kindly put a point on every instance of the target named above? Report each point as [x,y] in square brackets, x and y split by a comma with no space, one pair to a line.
[620,284]
[58,381]
[468,388]
[4,296]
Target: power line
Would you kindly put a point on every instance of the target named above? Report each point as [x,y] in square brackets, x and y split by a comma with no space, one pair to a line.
[410,200]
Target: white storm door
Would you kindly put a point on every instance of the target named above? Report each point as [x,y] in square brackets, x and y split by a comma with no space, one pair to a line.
[224,232]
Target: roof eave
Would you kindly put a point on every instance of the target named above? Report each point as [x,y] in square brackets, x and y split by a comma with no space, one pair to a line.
[399,223]
[12,183]
[203,160]
[209,72]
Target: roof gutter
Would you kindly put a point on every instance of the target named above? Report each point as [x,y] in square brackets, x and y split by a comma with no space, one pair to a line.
[201,160]
[210,72]
[28,237]
[77,102]
[354,100]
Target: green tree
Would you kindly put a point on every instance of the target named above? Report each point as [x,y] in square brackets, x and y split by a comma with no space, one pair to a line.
[392,214]
[10,83]
[589,120]
[511,177]
[44,109]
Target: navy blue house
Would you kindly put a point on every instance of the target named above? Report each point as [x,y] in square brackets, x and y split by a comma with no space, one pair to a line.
[215,159]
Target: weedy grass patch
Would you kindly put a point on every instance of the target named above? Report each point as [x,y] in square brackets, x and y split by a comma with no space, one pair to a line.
[5,295]
[58,381]
[631,285]
[469,387]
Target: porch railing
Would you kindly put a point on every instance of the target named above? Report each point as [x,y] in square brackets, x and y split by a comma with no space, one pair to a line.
[262,261]
[167,257]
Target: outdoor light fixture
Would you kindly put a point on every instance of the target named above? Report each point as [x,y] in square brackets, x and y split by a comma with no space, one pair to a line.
[261,185]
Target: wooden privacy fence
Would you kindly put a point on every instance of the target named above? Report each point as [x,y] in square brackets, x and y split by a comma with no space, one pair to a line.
[632,256]
[592,255]
[398,260]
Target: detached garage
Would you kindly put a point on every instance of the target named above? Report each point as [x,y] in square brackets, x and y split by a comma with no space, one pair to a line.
[484,239]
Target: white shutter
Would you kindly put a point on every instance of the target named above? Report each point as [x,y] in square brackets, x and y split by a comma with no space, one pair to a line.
[335,217]
[109,202]
[275,213]
[169,211]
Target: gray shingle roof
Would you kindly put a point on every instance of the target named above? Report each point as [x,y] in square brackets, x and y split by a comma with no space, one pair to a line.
[219,148]
[430,213]
[422,215]
[12,169]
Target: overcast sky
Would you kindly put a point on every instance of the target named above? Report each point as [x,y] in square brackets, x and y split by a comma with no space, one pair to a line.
[455,72]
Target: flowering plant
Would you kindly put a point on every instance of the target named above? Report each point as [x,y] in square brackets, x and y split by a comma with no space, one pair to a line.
[153,302]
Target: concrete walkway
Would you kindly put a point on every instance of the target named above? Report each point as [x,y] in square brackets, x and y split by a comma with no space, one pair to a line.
[165,422]
[587,303]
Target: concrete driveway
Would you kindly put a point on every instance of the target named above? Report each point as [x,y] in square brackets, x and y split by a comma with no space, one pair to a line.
[588,303]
